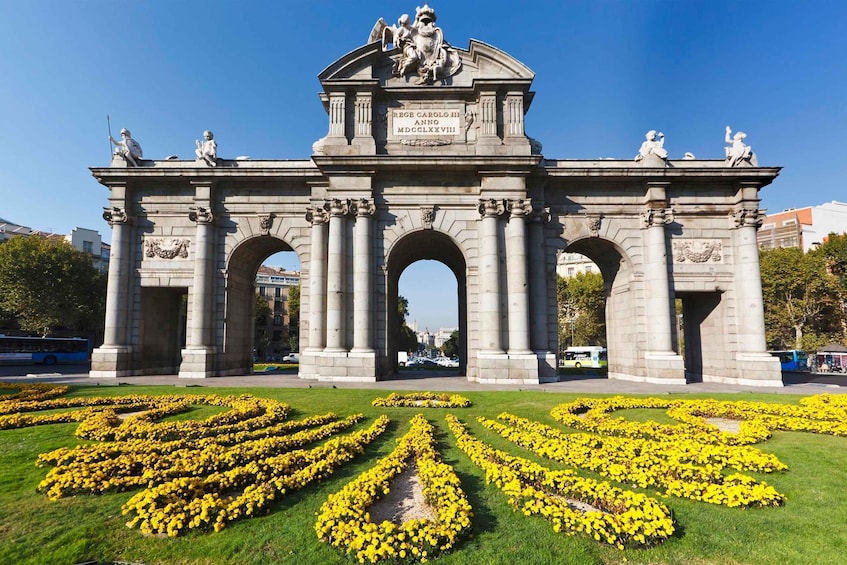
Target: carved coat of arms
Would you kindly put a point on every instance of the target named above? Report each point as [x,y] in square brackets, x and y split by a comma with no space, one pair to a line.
[422,47]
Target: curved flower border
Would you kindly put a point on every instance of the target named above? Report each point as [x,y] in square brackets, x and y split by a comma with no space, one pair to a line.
[620,517]
[423,400]
[681,468]
[344,522]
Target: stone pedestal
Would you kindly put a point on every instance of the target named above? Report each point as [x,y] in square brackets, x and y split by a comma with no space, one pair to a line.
[198,363]
[109,362]
[507,368]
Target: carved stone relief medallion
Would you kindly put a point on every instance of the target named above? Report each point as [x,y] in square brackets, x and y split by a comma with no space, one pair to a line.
[697,251]
[166,247]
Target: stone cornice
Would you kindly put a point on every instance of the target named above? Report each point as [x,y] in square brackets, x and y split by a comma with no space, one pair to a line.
[716,170]
[428,163]
[187,170]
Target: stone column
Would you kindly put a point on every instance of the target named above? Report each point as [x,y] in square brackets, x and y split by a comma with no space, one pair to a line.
[117,298]
[112,359]
[489,277]
[538,281]
[516,277]
[748,282]
[754,366]
[663,365]
[656,282]
[335,291]
[198,357]
[200,332]
[318,217]
[363,277]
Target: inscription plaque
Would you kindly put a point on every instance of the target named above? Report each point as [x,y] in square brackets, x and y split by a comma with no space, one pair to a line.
[429,122]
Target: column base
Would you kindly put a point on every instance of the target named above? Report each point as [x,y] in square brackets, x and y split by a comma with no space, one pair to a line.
[505,368]
[664,367]
[110,362]
[339,365]
[199,363]
[753,369]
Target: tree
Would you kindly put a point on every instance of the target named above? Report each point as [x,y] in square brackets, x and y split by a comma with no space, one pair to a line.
[294,317]
[263,310]
[582,309]
[834,251]
[450,348]
[46,284]
[801,299]
[408,340]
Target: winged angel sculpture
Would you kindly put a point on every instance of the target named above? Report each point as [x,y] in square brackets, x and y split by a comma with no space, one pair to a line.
[421,45]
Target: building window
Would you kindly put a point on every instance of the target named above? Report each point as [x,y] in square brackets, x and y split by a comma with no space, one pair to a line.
[277,292]
[570,271]
[88,247]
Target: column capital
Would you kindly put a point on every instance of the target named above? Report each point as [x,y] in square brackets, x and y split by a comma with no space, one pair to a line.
[364,207]
[491,207]
[748,217]
[519,207]
[656,217]
[338,207]
[317,215]
[115,216]
[540,215]
[200,215]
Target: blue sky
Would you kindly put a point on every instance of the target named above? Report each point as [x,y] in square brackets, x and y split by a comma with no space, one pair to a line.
[606,72]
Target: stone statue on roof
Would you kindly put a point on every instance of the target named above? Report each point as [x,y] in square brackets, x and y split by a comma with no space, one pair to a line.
[421,45]
[127,148]
[653,151]
[207,150]
[738,154]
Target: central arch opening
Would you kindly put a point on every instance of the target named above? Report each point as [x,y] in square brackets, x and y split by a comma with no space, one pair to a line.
[426,246]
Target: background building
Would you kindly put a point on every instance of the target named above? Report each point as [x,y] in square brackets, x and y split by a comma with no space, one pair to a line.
[272,331]
[803,227]
[569,264]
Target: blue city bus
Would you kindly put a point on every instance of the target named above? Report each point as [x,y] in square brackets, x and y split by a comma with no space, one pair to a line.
[794,360]
[46,350]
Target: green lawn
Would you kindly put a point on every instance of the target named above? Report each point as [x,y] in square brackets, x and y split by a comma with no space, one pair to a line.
[810,528]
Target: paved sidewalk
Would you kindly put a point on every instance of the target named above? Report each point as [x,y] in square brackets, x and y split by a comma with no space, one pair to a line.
[808,385]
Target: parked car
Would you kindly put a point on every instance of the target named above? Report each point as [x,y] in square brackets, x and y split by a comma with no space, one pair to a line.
[291,358]
[422,362]
[448,363]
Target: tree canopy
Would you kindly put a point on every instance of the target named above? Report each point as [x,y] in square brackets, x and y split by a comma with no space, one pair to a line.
[802,309]
[582,310]
[46,284]
[408,340]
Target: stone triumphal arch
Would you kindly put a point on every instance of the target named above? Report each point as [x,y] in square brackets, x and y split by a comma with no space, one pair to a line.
[426,157]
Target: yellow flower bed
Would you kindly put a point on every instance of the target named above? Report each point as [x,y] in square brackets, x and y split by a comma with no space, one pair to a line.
[185,503]
[423,400]
[121,465]
[677,466]
[344,521]
[825,414]
[29,391]
[622,517]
